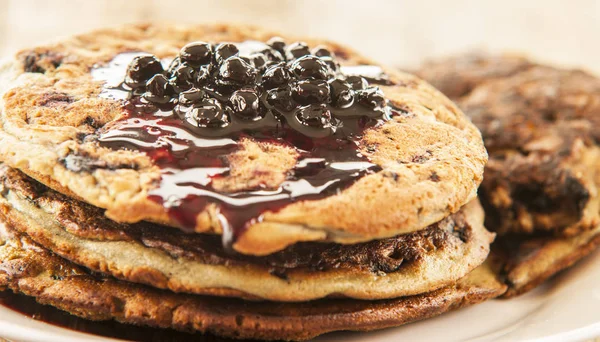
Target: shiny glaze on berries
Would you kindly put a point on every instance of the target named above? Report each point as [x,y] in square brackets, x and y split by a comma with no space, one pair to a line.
[190,116]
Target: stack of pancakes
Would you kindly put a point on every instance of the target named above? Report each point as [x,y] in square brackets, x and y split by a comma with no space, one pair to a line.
[540,127]
[82,232]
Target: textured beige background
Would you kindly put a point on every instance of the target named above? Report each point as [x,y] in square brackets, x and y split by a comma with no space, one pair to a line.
[396,32]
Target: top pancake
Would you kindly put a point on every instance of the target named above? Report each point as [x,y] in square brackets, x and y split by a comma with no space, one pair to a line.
[431,157]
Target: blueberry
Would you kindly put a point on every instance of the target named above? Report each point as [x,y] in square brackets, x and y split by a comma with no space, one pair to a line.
[203,75]
[321,51]
[183,78]
[278,44]
[296,50]
[224,51]
[189,97]
[341,93]
[310,91]
[259,61]
[158,89]
[332,64]
[372,97]
[208,113]
[141,69]
[275,76]
[236,71]
[281,99]
[309,67]
[357,82]
[246,104]
[174,65]
[273,55]
[315,116]
[196,54]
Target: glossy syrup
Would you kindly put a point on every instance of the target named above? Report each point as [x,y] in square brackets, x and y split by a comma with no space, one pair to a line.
[191,161]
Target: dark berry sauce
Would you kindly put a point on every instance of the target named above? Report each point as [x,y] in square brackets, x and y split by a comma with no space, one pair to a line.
[190,115]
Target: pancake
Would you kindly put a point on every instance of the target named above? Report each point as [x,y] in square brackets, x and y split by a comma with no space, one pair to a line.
[457,76]
[526,263]
[197,263]
[538,125]
[426,162]
[540,191]
[29,269]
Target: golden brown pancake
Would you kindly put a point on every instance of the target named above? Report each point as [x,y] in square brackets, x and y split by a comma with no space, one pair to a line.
[197,263]
[29,269]
[430,157]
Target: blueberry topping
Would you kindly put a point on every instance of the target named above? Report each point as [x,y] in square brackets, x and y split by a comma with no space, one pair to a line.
[203,75]
[141,69]
[188,98]
[296,50]
[174,65]
[196,54]
[224,51]
[246,104]
[273,55]
[281,99]
[341,93]
[259,61]
[321,51]
[236,71]
[357,82]
[274,85]
[275,76]
[183,78]
[278,44]
[309,67]
[372,98]
[311,91]
[158,89]
[333,65]
[315,116]
[208,113]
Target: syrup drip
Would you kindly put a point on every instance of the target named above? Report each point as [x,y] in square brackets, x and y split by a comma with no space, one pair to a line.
[190,162]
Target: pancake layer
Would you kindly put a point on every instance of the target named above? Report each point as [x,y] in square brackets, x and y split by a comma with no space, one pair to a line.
[27,268]
[158,256]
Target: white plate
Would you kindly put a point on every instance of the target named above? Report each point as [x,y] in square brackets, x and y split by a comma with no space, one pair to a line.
[565,309]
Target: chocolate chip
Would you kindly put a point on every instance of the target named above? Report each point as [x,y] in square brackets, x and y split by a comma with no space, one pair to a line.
[82,164]
[279,273]
[393,175]
[85,163]
[54,99]
[422,158]
[92,122]
[34,61]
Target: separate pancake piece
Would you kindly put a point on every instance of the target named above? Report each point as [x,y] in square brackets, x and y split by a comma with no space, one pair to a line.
[457,76]
[29,269]
[61,112]
[161,257]
[540,126]
[525,263]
